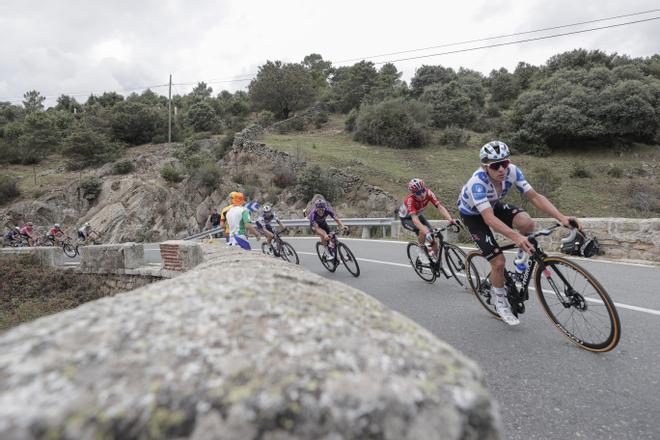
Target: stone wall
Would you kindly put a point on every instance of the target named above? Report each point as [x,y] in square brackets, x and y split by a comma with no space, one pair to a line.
[243,346]
[637,239]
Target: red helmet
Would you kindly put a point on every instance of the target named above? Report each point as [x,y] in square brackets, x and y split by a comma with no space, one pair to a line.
[416,185]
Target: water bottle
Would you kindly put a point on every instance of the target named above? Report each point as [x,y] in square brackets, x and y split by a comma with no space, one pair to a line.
[521,263]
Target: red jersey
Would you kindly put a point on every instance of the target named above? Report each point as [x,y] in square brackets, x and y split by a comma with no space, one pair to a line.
[413,206]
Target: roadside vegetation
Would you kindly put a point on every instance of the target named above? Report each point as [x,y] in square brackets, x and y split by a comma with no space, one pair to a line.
[585,125]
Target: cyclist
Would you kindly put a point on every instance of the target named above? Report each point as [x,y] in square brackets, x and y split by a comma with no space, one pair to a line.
[238,221]
[412,209]
[318,223]
[86,233]
[27,232]
[223,215]
[264,226]
[482,212]
[55,234]
[12,236]
[214,220]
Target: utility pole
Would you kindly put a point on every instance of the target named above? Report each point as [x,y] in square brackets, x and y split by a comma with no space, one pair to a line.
[169,113]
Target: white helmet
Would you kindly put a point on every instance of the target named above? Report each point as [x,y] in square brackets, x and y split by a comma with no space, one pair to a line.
[87,225]
[267,208]
[494,151]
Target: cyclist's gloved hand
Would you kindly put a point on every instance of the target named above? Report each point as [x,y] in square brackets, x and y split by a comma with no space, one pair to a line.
[523,243]
[572,222]
[428,238]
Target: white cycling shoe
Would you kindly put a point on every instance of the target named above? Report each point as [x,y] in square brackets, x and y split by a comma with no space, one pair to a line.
[504,310]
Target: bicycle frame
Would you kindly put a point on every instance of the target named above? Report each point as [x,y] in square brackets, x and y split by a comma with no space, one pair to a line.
[517,296]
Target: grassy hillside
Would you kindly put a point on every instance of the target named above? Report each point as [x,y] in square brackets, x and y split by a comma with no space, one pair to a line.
[446,169]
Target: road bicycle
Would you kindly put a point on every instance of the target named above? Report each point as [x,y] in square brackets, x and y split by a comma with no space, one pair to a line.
[280,248]
[571,297]
[93,238]
[428,264]
[332,256]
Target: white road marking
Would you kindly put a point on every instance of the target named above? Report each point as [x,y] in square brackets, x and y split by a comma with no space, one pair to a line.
[617,304]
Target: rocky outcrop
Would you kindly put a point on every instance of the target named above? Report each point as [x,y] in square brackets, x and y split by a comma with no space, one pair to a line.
[141,206]
[290,356]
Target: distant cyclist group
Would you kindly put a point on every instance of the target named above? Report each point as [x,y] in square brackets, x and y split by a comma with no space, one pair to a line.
[26,235]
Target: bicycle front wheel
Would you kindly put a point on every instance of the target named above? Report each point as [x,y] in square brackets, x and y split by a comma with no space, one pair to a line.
[69,250]
[348,259]
[420,262]
[288,253]
[477,274]
[455,258]
[266,249]
[327,260]
[578,305]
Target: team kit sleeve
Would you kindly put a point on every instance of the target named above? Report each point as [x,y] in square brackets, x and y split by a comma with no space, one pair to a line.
[477,193]
[521,183]
[433,199]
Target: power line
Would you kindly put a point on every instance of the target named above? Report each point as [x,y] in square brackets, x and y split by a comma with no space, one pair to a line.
[496,37]
[527,40]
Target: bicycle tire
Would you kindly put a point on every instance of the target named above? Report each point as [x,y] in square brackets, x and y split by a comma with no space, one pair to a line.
[480,285]
[69,250]
[424,271]
[455,258]
[599,301]
[328,264]
[266,249]
[348,259]
[288,253]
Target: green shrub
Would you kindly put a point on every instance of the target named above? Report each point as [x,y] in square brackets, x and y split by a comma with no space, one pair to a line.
[171,173]
[8,189]
[228,140]
[454,137]
[266,118]
[314,181]
[580,171]
[284,177]
[123,167]
[615,172]
[208,174]
[90,187]
[642,197]
[351,119]
[320,118]
[394,123]
[86,147]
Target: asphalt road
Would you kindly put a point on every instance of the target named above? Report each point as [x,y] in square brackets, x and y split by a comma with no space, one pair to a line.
[547,387]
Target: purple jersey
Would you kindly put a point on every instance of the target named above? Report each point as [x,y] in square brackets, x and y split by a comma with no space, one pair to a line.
[315,217]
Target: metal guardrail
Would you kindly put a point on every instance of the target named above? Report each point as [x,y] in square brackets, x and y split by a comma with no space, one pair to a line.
[302,222]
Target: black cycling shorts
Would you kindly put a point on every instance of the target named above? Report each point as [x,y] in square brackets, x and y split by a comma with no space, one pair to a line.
[322,224]
[408,224]
[267,226]
[481,232]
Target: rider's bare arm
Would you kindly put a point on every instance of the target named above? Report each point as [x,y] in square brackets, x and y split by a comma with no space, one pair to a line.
[541,202]
[445,213]
[499,226]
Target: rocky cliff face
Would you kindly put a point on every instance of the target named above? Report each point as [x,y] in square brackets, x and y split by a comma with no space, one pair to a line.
[142,206]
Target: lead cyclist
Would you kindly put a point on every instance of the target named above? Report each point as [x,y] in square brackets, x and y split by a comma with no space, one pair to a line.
[482,212]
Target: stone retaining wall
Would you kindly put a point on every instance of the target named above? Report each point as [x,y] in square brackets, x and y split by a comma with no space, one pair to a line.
[243,346]
[637,239]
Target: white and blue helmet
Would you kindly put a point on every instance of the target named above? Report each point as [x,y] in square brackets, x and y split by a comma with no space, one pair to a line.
[494,151]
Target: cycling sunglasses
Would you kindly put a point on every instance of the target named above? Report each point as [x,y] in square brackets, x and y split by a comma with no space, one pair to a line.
[496,165]
[420,192]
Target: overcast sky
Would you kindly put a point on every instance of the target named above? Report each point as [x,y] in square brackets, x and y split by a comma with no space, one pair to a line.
[81,46]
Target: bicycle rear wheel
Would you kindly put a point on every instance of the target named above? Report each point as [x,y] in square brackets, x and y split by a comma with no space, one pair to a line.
[477,273]
[288,253]
[455,258]
[578,305]
[327,260]
[420,262]
[348,259]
